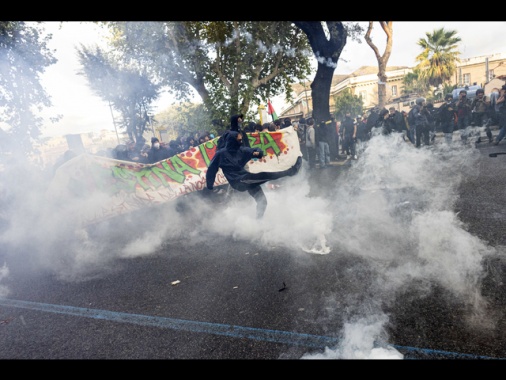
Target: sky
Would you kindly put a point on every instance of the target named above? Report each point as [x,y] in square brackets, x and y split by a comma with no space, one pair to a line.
[85,112]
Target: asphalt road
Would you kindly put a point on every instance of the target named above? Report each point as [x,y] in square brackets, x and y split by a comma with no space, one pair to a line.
[215,290]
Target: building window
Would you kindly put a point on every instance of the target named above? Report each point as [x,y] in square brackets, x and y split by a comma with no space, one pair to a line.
[491,75]
[394,90]
[466,78]
[363,95]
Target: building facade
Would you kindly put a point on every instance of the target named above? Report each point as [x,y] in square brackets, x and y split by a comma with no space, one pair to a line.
[482,70]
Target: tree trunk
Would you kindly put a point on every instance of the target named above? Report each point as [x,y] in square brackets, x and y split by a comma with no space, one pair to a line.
[382,86]
[320,92]
[382,59]
[327,51]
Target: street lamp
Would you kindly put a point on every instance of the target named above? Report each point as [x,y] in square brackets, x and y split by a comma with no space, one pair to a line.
[114,122]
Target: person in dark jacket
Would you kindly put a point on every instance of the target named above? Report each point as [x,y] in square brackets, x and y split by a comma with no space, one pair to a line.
[349,131]
[422,128]
[157,152]
[232,160]
[394,122]
[447,118]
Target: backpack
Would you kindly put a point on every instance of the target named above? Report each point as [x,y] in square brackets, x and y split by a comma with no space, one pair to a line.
[411,117]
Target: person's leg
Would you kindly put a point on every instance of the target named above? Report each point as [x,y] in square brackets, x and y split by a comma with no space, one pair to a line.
[418,136]
[326,148]
[488,130]
[321,154]
[258,194]
[426,135]
[262,177]
[464,134]
[500,136]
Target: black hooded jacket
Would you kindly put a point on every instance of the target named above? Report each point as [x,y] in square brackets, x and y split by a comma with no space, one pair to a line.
[234,126]
[231,160]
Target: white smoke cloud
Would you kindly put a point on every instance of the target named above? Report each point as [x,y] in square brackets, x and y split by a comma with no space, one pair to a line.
[392,209]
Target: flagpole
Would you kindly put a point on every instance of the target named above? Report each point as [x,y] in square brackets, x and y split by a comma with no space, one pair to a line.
[261,111]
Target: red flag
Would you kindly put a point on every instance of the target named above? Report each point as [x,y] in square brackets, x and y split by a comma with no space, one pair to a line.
[270,110]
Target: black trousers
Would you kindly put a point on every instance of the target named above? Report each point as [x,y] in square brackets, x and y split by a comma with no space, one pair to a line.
[424,131]
[252,182]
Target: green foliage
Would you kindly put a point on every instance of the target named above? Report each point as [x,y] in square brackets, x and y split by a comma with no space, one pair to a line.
[183,118]
[24,56]
[346,102]
[231,65]
[414,84]
[437,61]
[127,89]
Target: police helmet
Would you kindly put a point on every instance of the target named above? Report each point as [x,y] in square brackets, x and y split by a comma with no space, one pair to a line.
[480,91]
[420,101]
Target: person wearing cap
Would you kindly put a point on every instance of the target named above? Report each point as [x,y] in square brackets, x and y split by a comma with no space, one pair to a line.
[463,109]
[494,108]
[323,136]
[157,152]
[394,121]
[349,131]
[362,135]
[421,123]
[447,117]
[231,160]
[480,111]
[501,103]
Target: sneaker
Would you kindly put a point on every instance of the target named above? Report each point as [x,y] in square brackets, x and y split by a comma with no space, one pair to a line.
[296,166]
[355,157]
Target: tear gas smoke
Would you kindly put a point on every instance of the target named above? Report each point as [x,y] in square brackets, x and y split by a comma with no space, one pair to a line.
[392,209]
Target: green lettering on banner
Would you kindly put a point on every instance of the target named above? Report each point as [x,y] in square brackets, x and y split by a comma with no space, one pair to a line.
[126,181]
[168,171]
[204,148]
[266,142]
[182,167]
[145,173]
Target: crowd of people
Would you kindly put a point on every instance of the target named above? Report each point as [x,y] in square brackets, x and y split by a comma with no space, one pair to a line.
[158,150]
[335,140]
[346,139]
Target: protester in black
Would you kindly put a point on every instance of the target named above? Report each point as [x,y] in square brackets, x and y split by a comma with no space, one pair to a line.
[422,129]
[157,152]
[232,159]
[394,122]
[349,131]
[447,118]
[235,125]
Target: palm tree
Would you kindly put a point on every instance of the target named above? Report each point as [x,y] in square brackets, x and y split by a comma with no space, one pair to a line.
[437,62]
